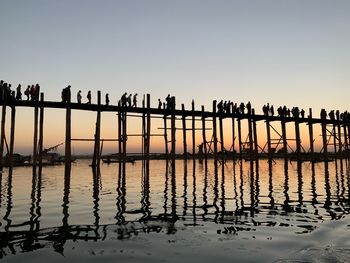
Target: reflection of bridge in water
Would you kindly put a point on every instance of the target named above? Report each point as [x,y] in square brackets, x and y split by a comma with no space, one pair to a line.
[231,197]
[335,131]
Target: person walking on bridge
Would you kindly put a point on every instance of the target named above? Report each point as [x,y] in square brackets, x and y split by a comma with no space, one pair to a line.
[79,97]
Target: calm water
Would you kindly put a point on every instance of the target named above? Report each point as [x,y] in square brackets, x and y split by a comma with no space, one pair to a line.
[249,212]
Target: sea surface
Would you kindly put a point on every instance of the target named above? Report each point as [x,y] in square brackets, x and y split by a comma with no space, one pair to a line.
[187,212]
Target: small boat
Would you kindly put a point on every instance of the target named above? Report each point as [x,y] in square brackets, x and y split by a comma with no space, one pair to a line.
[109,160]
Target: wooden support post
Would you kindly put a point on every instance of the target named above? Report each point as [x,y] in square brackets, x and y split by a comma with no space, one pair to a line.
[204,135]
[35,139]
[250,135]
[268,133]
[193,132]
[143,129]
[68,133]
[12,135]
[148,142]
[166,136]
[3,121]
[346,142]
[324,138]
[221,134]
[311,133]
[297,137]
[215,139]
[233,132]
[120,133]
[334,133]
[96,156]
[124,133]
[339,135]
[184,131]
[173,132]
[239,137]
[255,137]
[284,138]
[41,129]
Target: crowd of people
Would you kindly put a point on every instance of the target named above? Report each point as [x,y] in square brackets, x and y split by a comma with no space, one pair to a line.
[130,100]
[31,92]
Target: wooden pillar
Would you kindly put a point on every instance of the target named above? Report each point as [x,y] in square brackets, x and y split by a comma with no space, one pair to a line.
[124,133]
[215,139]
[339,135]
[68,133]
[204,135]
[193,132]
[239,137]
[221,134]
[184,130]
[284,138]
[346,142]
[12,135]
[297,137]
[335,138]
[41,129]
[96,156]
[233,132]
[3,121]
[148,142]
[143,129]
[268,133]
[35,139]
[173,132]
[119,133]
[166,136]
[324,138]
[255,137]
[250,134]
[311,133]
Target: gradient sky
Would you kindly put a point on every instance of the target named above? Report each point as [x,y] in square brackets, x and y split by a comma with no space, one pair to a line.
[283,52]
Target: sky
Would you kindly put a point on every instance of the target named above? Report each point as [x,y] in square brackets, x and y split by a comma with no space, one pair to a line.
[294,53]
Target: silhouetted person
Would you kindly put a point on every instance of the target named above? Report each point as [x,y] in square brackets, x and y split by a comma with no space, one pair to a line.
[27,92]
[168,102]
[134,100]
[32,92]
[107,99]
[19,92]
[249,107]
[124,99]
[220,106]
[1,89]
[79,97]
[241,108]
[159,104]
[302,113]
[88,96]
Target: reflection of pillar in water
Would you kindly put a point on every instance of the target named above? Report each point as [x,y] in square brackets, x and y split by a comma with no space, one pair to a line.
[272,200]
[286,205]
[313,187]
[300,184]
[257,183]
[222,203]
[9,202]
[194,205]
[145,202]
[121,192]
[216,194]
[96,176]
[252,190]
[185,188]
[327,187]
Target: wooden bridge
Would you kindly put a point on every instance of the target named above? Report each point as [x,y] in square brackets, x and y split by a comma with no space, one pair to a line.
[335,132]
